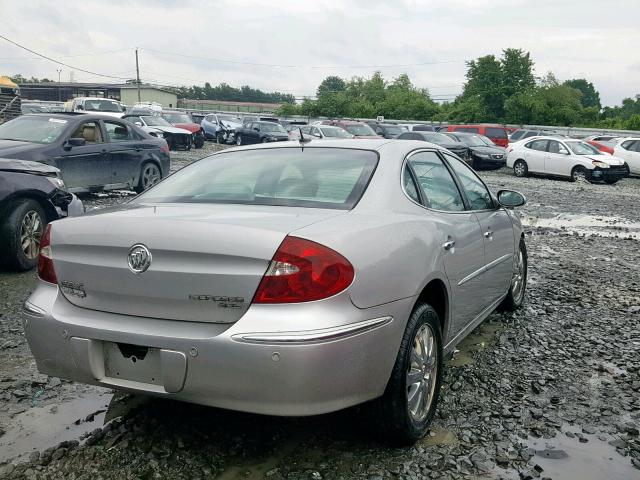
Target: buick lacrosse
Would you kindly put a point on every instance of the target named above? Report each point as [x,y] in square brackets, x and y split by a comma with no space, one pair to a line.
[283,279]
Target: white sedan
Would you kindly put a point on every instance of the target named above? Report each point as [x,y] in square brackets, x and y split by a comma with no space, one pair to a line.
[564,158]
[629,150]
[320,132]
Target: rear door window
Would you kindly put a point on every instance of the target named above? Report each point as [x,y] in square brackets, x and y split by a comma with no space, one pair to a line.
[628,145]
[495,132]
[118,132]
[436,183]
[539,145]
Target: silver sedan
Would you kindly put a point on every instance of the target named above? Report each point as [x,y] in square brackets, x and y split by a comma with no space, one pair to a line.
[285,279]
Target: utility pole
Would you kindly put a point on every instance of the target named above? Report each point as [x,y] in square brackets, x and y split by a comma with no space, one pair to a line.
[59,70]
[138,76]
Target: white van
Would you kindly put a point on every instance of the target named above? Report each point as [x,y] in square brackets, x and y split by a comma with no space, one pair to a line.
[106,106]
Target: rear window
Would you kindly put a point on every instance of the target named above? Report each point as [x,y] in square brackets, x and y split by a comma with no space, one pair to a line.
[468,129]
[493,132]
[314,177]
[423,128]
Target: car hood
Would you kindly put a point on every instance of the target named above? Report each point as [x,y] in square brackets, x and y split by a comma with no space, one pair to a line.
[231,125]
[9,148]
[27,166]
[192,127]
[608,159]
[486,149]
[453,145]
[166,129]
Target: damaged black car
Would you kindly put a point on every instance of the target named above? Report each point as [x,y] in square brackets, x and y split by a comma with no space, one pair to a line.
[31,195]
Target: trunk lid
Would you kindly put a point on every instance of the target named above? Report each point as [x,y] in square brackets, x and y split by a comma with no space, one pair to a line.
[206,260]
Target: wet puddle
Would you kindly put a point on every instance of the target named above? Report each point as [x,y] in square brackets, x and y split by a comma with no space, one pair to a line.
[42,427]
[610,227]
[474,342]
[439,436]
[564,458]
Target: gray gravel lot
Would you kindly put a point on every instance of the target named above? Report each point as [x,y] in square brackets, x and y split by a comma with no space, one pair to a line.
[552,391]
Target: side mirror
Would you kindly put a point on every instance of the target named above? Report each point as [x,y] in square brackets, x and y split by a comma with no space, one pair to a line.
[511,199]
[74,142]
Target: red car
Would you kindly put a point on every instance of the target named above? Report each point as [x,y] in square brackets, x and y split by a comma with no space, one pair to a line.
[357,129]
[601,146]
[184,120]
[496,133]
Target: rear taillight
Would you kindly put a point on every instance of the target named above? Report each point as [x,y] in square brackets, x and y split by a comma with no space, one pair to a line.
[303,271]
[45,258]
[164,148]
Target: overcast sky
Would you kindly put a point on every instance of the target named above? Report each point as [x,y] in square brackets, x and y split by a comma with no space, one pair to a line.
[190,42]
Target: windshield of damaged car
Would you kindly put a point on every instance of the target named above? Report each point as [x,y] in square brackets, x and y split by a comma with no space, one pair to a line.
[314,177]
[583,148]
[229,118]
[270,127]
[101,106]
[36,129]
[154,121]
[437,138]
[474,141]
[177,117]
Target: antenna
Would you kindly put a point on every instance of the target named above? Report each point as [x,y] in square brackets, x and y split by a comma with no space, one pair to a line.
[302,139]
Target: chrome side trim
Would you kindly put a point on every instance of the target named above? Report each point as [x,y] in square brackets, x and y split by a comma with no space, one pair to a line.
[312,336]
[31,309]
[486,268]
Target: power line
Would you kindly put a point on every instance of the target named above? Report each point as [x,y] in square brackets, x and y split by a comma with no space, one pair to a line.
[92,54]
[61,63]
[255,64]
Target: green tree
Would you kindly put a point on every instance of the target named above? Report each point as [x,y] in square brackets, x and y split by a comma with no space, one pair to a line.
[517,71]
[484,85]
[590,96]
[331,84]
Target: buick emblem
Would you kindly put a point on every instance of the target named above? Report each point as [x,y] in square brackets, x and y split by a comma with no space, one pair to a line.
[139,258]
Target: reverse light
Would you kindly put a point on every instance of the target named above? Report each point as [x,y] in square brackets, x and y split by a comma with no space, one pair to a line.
[45,258]
[303,271]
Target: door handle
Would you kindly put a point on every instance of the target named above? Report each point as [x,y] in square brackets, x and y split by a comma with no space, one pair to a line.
[449,245]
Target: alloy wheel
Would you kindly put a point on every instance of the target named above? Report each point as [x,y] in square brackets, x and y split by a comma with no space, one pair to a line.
[150,176]
[519,169]
[422,373]
[517,279]
[31,230]
[238,140]
[579,175]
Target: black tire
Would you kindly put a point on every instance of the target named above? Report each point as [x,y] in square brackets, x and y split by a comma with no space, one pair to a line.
[515,298]
[390,414]
[220,139]
[147,176]
[578,173]
[198,141]
[520,168]
[12,254]
[264,140]
[238,140]
[475,164]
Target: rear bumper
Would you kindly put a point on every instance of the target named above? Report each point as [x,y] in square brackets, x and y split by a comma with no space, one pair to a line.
[256,365]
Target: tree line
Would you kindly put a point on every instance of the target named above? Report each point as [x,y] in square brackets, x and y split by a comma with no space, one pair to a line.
[497,90]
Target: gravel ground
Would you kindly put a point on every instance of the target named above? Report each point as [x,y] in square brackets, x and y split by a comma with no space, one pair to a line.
[552,391]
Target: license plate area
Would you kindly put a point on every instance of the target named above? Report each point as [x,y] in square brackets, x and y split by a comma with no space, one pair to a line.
[132,362]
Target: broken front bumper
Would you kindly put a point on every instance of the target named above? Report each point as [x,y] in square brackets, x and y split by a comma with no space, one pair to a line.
[612,173]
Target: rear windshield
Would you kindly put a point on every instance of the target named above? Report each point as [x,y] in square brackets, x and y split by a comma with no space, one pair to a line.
[493,132]
[314,177]
[359,130]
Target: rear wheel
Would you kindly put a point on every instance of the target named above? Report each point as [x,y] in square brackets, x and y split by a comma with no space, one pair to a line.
[405,411]
[520,168]
[20,234]
[579,174]
[198,141]
[264,140]
[238,140]
[515,297]
[220,138]
[150,174]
